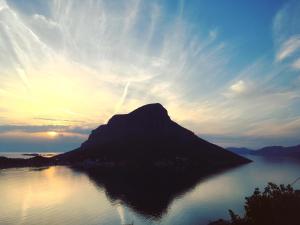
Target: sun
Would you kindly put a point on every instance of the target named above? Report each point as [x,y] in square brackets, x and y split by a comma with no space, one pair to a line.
[52,133]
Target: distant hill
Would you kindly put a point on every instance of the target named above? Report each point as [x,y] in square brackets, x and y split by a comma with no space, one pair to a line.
[148,138]
[37,161]
[270,151]
[241,151]
[279,151]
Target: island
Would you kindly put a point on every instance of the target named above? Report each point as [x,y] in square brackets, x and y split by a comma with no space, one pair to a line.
[144,139]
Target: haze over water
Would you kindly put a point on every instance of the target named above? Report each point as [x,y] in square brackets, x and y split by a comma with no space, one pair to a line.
[60,195]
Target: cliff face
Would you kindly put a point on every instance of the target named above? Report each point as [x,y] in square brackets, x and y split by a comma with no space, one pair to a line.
[147,137]
[147,122]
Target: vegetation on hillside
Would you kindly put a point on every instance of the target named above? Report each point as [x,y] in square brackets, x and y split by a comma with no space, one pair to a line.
[276,205]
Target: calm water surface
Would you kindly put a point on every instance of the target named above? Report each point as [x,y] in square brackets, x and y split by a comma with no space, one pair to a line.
[59,195]
[26,156]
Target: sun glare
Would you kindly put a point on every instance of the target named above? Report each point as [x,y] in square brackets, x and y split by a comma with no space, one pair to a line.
[52,133]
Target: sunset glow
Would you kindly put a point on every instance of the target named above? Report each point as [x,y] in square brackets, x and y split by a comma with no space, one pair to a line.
[76,73]
[52,133]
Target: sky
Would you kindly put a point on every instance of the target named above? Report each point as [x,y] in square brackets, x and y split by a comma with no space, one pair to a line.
[227,70]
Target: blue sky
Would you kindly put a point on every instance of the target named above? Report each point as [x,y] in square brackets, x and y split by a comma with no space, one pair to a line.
[228,70]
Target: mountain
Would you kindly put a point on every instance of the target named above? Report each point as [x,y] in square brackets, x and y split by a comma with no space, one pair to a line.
[270,151]
[241,151]
[148,138]
[145,160]
[280,151]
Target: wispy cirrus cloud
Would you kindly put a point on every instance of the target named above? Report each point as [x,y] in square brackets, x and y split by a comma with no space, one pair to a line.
[239,87]
[286,32]
[296,64]
[288,48]
[100,58]
[68,64]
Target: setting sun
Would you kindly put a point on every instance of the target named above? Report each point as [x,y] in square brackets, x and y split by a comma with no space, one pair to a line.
[52,133]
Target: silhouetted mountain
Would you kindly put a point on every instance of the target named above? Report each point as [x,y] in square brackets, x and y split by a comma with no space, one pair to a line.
[144,160]
[147,138]
[240,151]
[279,151]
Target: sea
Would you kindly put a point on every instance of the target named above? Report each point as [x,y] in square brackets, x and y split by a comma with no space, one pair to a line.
[59,195]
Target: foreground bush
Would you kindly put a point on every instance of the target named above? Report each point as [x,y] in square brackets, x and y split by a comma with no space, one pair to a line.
[276,205]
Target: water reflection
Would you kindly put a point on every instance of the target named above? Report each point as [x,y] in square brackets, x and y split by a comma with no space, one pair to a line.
[54,195]
[148,193]
[59,195]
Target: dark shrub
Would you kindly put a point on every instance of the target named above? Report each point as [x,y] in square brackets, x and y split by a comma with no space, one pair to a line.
[276,205]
